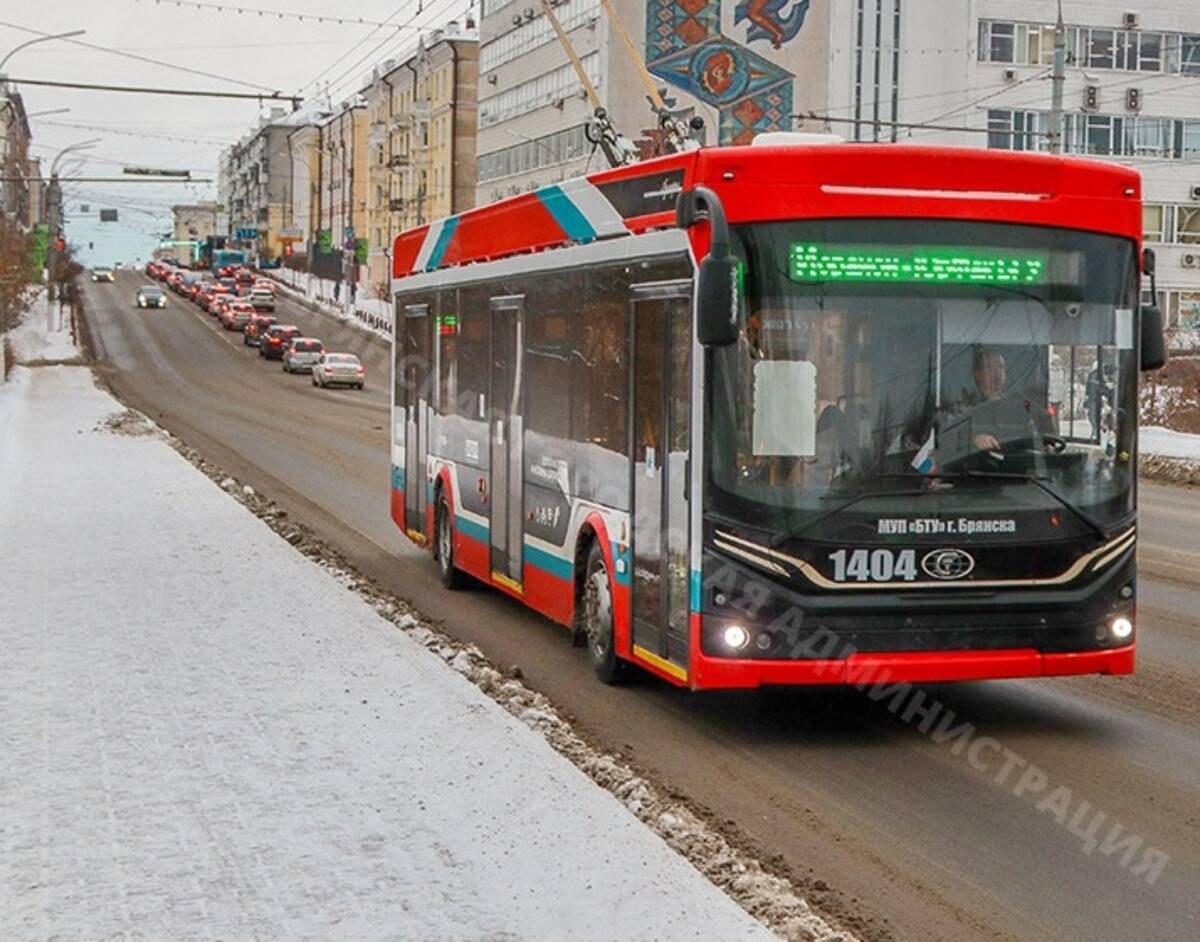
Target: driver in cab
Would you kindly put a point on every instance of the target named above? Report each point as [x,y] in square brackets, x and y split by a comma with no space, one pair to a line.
[995,415]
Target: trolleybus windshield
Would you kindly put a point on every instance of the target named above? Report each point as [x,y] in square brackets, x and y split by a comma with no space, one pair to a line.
[986,366]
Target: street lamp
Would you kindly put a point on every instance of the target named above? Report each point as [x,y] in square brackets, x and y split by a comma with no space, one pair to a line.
[82,145]
[39,39]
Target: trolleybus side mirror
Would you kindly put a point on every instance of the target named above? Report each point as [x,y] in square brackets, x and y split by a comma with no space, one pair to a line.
[1150,322]
[717,290]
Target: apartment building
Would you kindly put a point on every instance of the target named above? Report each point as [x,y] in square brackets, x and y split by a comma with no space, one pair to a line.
[304,190]
[254,179]
[421,140]
[15,200]
[341,195]
[978,75]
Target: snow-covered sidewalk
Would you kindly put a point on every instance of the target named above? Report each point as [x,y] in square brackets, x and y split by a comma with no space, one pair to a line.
[205,735]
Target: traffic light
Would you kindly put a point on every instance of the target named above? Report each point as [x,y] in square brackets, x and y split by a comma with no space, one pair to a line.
[60,244]
[91,245]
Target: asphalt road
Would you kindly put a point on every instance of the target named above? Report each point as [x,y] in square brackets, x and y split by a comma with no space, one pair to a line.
[901,836]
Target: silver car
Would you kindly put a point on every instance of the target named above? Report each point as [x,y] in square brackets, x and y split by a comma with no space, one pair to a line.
[339,369]
[302,355]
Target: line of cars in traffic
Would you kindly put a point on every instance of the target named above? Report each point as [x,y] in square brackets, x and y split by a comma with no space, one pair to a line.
[243,302]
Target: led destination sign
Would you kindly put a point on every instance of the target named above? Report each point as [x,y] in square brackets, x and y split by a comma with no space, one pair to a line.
[937,264]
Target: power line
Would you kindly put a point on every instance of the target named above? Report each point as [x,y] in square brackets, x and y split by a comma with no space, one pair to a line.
[142,134]
[109,180]
[144,90]
[138,58]
[813,116]
[428,12]
[277,14]
[350,51]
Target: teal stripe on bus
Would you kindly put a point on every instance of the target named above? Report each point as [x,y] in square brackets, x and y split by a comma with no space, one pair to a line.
[443,243]
[397,478]
[574,223]
[554,565]
[469,528]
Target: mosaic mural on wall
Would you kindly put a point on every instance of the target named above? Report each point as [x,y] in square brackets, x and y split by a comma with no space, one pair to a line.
[686,48]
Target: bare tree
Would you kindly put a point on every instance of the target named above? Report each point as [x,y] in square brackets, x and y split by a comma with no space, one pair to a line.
[16,261]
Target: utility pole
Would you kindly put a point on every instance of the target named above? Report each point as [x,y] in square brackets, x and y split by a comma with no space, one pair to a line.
[1058,80]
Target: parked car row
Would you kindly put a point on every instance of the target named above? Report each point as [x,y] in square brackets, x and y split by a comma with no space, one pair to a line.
[241,301]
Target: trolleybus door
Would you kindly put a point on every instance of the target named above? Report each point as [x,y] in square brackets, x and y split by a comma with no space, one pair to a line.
[506,434]
[662,348]
[417,361]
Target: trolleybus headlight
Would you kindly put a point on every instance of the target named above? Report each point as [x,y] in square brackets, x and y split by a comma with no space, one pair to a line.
[736,637]
[1121,628]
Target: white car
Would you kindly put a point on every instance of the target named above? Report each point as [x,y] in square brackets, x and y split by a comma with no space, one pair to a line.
[263,299]
[339,369]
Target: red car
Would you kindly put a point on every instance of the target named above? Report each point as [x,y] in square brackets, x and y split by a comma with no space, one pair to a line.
[275,341]
[209,296]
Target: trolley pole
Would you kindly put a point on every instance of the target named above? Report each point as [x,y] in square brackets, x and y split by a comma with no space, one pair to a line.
[1058,80]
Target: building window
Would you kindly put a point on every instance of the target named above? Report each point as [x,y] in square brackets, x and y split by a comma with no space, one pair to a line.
[542,90]
[1100,49]
[1189,140]
[1147,137]
[544,151]
[1154,222]
[998,41]
[1188,224]
[1189,55]
[535,33]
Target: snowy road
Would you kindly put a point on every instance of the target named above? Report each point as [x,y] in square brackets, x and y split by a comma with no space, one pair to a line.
[848,795]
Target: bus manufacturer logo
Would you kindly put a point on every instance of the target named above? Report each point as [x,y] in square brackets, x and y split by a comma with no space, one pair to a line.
[948,563]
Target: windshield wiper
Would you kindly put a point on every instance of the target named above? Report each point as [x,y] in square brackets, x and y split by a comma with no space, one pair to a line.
[1040,483]
[865,495]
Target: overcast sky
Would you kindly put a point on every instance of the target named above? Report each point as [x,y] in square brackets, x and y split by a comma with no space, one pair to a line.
[244,53]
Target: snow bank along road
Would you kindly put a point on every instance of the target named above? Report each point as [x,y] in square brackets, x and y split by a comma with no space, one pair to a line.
[182,761]
[871,815]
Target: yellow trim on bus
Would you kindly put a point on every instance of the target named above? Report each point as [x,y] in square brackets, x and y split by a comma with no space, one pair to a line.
[508,582]
[661,663]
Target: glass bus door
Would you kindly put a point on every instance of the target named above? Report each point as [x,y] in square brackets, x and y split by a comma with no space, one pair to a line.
[662,348]
[418,365]
[507,438]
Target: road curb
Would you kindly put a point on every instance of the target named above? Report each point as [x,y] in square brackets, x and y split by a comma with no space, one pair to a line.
[1163,470]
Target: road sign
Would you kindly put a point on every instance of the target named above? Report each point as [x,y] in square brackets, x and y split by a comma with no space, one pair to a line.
[247,233]
[108,215]
[156,172]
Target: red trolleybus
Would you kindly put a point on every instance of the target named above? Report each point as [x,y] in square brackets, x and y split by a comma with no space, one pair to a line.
[789,414]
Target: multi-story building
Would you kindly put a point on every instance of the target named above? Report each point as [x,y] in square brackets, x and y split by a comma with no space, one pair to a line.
[254,181]
[342,202]
[421,140]
[909,71]
[14,157]
[304,191]
[742,67]
[193,224]
[1131,95]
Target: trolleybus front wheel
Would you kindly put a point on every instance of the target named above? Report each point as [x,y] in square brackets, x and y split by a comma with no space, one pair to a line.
[598,619]
[452,578]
